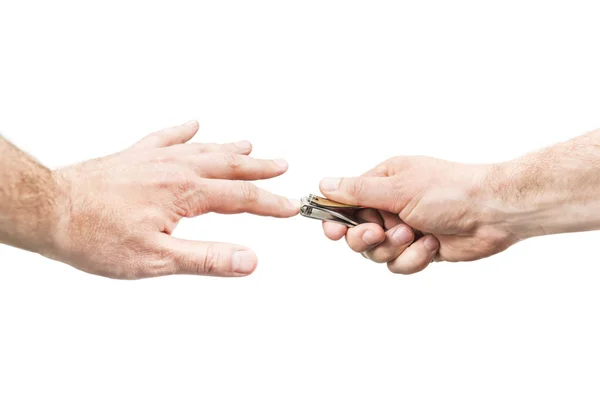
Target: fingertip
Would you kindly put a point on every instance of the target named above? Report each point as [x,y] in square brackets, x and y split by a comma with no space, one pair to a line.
[334,231]
[281,163]
[244,262]
[290,207]
[283,208]
[364,237]
[404,270]
[373,237]
[279,167]
[192,124]
[243,146]
[431,243]
[370,233]
[416,257]
[328,185]
[295,204]
[402,235]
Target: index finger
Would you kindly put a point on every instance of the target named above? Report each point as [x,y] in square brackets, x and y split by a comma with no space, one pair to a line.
[235,197]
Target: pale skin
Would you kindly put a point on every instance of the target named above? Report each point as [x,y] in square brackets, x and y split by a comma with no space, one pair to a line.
[420,209]
[114,216]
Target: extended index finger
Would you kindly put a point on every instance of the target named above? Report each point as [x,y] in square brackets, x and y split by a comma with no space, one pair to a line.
[235,197]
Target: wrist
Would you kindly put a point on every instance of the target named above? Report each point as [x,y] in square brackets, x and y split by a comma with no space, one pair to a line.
[55,246]
[29,200]
[507,207]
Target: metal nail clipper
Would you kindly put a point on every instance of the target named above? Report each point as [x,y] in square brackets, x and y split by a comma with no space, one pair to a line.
[328,210]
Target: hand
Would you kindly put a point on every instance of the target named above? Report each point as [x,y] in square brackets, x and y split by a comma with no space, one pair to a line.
[119,212]
[452,204]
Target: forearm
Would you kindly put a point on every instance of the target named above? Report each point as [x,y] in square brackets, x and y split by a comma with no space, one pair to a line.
[554,190]
[28,201]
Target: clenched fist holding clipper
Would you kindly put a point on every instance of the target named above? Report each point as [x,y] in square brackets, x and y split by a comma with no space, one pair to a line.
[420,209]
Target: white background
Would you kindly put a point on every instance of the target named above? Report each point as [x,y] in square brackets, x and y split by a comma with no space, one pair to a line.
[335,88]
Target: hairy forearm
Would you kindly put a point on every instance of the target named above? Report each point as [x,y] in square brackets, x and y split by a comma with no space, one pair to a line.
[554,190]
[28,200]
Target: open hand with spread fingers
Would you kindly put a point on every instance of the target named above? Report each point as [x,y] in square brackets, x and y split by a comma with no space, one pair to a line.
[115,215]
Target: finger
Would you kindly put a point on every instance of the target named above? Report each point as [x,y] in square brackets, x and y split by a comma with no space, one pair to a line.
[234,197]
[396,241]
[235,166]
[390,220]
[187,149]
[370,215]
[205,258]
[372,192]
[169,136]
[416,257]
[334,231]
[364,236]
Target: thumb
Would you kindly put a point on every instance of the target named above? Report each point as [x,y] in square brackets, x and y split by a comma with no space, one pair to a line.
[364,191]
[169,136]
[209,258]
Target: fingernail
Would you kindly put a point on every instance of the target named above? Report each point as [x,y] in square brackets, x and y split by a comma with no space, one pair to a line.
[243,144]
[330,184]
[191,123]
[370,237]
[431,243]
[402,235]
[244,261]
[281,162]
[296,204]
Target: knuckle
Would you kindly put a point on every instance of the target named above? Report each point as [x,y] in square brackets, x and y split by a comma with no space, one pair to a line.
[397,164]
[184,183]
[232,161]
[395,160]
[161,156]
[210,262]
[152,260]
[182,187]
[249,192]
[161,261]
[383,169]
[205,147]
[400,196]
[380,255]
[167,178]
[359,188]
[402,162]
[128,264]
